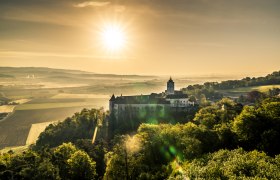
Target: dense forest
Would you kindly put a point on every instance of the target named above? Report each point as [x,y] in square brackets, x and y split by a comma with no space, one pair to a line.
[222,140]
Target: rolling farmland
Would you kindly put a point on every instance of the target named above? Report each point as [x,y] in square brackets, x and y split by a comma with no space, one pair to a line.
[54,94]
[7,108]
[35,131]
[14,130]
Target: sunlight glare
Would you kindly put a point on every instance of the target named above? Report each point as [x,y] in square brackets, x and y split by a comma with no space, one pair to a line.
[113,37]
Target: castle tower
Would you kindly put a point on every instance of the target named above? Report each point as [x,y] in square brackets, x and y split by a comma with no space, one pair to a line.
[170,86]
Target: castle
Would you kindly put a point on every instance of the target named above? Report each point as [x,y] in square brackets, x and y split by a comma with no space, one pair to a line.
[171,99]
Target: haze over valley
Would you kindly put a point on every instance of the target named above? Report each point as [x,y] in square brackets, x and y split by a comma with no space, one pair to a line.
[139,89]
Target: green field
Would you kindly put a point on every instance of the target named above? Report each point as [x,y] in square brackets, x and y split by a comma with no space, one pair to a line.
[257,88]
[239,91]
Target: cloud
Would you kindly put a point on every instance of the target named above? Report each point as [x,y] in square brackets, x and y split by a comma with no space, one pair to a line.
[91,3]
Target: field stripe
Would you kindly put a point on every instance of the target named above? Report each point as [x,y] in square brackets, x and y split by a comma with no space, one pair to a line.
[53,105]
[35,131]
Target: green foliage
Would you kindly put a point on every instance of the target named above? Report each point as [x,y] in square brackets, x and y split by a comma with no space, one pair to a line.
[203,93]
[255,97]
[157,146]
[60,156]
[96,152]
[46,170]
[235,164]
[211,89]
[273,92]
[73,163]
[227,138]
[247,125]
[179,150]
[221,112]
[28,165]
[195,150]
[63,162]
[259,127]
[81,166]
[79,126]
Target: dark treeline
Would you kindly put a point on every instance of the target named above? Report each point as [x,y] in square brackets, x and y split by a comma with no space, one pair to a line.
[63,151]
[79,126]
[63,162]
[196,149]
[210,90]
[270,79]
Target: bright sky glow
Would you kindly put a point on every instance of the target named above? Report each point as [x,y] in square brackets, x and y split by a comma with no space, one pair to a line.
[113,37]
[175,37]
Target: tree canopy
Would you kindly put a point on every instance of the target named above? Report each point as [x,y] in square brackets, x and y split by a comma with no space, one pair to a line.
[224,141]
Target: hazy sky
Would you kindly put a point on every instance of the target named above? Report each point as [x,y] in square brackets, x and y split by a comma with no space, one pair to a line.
[163,36]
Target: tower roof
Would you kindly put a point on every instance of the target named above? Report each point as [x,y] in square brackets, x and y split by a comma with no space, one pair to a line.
[112,98]
[170,80]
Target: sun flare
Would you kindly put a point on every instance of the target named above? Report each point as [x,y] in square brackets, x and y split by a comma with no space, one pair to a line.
[113,37]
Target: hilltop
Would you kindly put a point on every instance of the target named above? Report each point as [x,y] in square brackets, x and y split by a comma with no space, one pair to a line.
[49,72]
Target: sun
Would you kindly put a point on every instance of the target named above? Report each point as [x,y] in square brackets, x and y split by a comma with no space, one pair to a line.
[113,37]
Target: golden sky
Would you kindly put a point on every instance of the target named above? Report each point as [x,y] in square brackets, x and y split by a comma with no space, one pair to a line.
[167,37]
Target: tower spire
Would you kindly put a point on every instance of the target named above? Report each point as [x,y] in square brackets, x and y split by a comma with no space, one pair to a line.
[113,97]
[170,86]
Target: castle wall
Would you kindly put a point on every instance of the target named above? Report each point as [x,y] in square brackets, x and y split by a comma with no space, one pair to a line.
[182,102]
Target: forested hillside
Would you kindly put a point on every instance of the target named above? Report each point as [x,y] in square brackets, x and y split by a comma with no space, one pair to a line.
[196,149]
[224,141]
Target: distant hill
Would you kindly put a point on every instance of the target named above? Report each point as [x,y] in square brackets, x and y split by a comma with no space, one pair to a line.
[6,76]
[270,79]
[64,73]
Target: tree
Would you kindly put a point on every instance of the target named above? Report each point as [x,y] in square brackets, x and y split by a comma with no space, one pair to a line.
[192,98]
[96,152]
[235,164]
[126,159]
[60,156]
[255,96]
[81,166]
[248,126]
[28,165]
[79,126]
[46,170]
[258,127]
[222,112]
[202,99]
